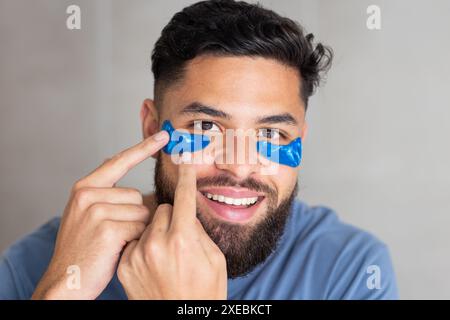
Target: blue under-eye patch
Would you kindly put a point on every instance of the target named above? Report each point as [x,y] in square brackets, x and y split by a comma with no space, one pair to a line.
[180,142]
[289,155]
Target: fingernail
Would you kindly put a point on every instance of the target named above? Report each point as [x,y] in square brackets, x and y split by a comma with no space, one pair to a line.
[160,135]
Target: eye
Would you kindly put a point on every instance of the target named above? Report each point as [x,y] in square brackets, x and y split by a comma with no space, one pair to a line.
[269,133]
[206,126]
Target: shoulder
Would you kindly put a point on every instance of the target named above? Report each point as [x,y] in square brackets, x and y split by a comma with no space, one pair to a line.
[346,258]
[24,262]
[321,225]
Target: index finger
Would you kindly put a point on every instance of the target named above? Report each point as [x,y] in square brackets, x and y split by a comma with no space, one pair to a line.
[115,168]
[184,205]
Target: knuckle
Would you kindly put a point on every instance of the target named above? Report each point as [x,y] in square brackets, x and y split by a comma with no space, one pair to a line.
[136,195]
[82,197]
[143,209]
[178,242]
[106,232]
[78,185]
[152,249]
[152,246]
[96,210]
[134,191]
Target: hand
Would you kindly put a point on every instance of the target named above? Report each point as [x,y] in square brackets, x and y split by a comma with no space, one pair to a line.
[98,221]
[175,258]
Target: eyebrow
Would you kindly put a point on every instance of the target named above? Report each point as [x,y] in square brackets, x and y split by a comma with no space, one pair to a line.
[196,108]
[278,118]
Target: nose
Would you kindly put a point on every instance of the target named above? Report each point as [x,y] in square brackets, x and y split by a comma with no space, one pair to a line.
[238,156]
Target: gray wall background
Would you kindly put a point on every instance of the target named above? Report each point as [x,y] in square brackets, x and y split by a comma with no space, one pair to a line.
[377,152]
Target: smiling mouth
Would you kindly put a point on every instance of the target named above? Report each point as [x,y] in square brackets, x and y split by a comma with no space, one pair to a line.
[244,202]
[231,205]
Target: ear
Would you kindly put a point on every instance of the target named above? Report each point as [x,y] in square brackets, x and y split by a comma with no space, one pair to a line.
[304,132]
[149,118]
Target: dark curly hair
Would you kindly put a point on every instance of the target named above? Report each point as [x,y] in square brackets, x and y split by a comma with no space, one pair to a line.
[236,28]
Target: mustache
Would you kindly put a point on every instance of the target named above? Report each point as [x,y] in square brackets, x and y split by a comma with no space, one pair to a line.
[224,180]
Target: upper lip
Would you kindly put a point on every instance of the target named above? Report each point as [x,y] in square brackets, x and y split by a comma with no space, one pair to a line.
[232,192]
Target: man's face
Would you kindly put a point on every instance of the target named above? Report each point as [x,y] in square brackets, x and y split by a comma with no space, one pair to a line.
[254,95]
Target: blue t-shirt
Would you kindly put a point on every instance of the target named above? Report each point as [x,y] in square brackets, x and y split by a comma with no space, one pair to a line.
[317,257]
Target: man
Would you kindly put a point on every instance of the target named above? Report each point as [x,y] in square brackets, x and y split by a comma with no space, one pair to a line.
[212,229]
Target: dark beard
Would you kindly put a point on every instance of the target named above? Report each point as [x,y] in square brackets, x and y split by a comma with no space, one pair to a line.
[244,246]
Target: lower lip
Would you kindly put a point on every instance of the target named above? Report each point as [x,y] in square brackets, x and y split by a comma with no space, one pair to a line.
[230,212]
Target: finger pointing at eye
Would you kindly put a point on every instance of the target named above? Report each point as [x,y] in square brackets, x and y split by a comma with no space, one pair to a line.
[184,208]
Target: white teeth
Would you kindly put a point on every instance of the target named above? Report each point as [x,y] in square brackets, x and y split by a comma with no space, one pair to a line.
[233,201]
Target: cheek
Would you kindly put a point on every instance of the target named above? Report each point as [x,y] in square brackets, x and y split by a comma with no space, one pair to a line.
[171,168]
[285,181]
[205,170]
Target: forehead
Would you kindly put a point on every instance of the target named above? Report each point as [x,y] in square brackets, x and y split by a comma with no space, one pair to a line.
[240,86]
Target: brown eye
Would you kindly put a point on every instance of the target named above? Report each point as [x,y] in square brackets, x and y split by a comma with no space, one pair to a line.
[269,133]
[206,126]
